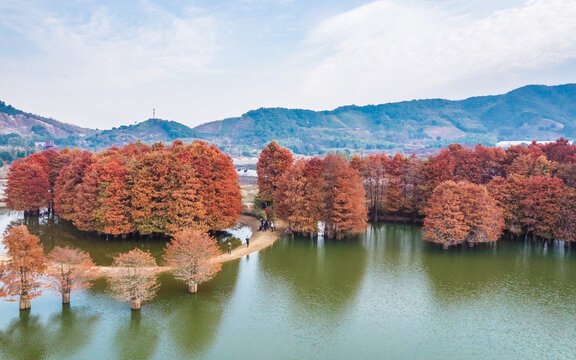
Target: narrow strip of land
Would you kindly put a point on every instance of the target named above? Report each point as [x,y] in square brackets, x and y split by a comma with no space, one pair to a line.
[258,241]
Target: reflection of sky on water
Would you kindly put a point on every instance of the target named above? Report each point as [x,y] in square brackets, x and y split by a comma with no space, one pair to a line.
[6,217]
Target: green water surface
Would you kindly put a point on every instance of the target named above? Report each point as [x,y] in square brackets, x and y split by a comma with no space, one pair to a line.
[382,295]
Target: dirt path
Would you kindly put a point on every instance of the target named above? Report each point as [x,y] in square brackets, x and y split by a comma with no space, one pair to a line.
[258,241]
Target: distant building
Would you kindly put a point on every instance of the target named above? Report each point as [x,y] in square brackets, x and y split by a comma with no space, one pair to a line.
[506,144]
[49,145]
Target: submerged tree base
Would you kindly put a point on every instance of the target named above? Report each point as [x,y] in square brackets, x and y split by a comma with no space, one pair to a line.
[135,304]
[192,288]
[25,304]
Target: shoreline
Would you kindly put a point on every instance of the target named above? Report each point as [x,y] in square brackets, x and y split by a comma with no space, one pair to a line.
[258,241]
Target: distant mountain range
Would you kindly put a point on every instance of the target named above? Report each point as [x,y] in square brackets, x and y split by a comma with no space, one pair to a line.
[531,112]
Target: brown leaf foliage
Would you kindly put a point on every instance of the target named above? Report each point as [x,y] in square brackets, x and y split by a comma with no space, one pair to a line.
[190,253]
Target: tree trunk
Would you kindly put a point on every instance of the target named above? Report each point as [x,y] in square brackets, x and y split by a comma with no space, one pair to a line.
[135,304]
[25,303]
[65,298]
[192,287]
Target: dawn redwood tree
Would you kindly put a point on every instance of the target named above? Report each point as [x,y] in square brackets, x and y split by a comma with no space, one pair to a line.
[435,170]
[374,172]
[299,198]
[394,194]
[71,176]
[86,199]
[191,254]
[462,212]
[150,192]
[21,274]
[112,214]
[566,229]
[273,162]
[28,187]
[510,194]
[185,206]
[135,280]
[219,190]
[412,179]
[467,165]
[542,206]
[344,205]
[529,165]
[69,270]
[560,150]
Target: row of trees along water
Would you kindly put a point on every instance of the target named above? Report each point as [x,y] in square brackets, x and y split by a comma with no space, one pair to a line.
[28,271]
[134,189]
[463,195]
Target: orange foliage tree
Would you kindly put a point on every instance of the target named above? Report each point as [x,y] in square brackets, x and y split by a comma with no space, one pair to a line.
[299,196]
[135,280]
[273,162]
[542,206]
[344,208]
[21,274]
[28,186]
[191,254]
[219,191]
[67,183]
[69,270]
[462,212]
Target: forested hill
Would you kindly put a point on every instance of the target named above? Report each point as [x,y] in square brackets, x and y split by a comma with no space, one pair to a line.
[531,112]
[151,130]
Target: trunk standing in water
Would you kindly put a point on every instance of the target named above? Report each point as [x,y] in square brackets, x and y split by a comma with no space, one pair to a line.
[66,298]
[25,302]
[135,304]
[192,287]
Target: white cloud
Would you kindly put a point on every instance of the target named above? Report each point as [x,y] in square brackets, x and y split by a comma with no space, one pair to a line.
[102,49]
[389,50]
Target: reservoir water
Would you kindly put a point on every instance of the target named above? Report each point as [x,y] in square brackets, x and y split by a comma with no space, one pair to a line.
[383,294]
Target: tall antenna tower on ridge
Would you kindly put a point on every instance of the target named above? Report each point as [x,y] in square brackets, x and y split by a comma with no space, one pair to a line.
[153,113]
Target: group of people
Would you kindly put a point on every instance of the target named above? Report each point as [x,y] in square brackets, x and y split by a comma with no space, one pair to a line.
[264,225]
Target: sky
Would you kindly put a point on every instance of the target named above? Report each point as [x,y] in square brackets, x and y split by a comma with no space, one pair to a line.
[100,64]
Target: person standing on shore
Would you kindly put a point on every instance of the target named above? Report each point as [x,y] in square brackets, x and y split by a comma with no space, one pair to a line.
[229,247]
[272,225]
[247,241]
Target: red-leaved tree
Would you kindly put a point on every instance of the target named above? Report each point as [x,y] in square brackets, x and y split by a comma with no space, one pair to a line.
[135,280]
[191,254]
[462,212]
[21,274]
[69,270]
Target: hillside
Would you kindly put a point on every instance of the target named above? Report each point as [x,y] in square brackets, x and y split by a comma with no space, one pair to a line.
[530,112]
[14,121]
[151,130]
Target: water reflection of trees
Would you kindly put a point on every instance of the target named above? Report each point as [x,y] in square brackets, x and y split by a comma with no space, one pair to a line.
[137,338]
[510,266]
[54,231]
[194,319]
[64,334]
[322,277]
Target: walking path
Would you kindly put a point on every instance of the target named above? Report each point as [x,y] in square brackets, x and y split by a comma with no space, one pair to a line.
[258,241]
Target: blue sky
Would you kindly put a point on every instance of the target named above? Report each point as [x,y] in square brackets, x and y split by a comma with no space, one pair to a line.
[108,63]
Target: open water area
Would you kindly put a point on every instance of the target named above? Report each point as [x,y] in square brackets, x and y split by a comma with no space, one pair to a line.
[385,294]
